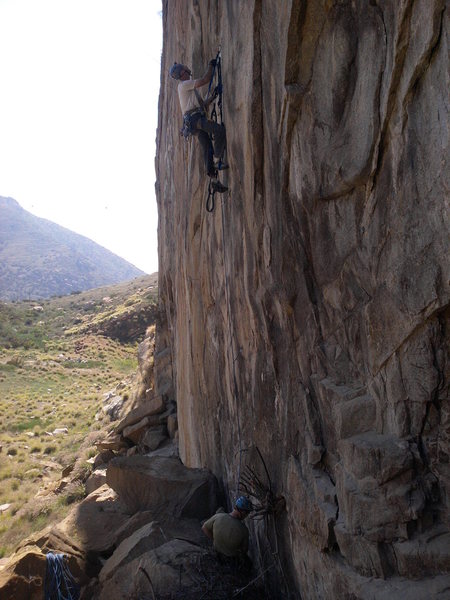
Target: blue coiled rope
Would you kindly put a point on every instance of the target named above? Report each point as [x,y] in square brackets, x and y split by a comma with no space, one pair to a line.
[59,582]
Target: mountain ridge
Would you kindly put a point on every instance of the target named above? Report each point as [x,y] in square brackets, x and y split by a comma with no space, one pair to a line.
[40,259]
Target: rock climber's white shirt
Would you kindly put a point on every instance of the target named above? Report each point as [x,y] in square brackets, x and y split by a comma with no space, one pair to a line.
[187,96]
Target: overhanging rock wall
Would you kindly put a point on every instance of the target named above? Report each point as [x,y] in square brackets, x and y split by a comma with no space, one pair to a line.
[308,315]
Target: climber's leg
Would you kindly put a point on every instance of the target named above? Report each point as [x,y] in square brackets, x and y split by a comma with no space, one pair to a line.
[207,148]
[218,131]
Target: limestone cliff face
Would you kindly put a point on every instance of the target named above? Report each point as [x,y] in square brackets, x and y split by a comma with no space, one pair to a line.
[309,314]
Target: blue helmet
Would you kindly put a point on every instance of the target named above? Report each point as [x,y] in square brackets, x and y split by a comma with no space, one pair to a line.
[176,69]
[243,503]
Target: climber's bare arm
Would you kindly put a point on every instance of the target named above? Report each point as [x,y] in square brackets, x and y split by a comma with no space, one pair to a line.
[207,532]
[205,79]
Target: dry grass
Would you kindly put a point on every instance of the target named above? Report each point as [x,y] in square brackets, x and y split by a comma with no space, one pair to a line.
[57,385]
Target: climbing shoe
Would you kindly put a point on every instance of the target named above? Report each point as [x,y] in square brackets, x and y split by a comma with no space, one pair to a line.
[218,187]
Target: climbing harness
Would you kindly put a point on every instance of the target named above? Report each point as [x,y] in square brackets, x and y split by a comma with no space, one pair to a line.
[218,118]
[59,582]
[189,120]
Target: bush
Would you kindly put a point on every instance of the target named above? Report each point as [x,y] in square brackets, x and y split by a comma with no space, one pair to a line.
[74,495]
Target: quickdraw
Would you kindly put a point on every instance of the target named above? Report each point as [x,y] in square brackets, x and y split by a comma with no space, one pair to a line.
[218,118]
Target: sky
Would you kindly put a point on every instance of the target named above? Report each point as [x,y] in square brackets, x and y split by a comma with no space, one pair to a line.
[79,85]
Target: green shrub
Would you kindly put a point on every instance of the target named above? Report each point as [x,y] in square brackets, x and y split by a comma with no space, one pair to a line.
[74,495]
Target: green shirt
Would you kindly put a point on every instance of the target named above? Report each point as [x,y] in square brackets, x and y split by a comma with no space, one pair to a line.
[230,535]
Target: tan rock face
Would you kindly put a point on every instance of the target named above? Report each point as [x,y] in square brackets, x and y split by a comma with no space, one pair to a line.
[309,314]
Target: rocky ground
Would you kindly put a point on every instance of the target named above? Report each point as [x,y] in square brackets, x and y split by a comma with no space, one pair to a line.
[138,532]
[131,527]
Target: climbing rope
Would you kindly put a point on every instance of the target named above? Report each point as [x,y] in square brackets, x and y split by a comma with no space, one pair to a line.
[233,358]
[231,347]
[218,88]
[217,93]
[59,582]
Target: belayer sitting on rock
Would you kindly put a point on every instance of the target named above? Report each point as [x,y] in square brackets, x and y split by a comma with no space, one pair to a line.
[195,120]
[229,534]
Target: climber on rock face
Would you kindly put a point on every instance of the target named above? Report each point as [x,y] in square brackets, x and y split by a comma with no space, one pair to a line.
[195,120]
[229,534]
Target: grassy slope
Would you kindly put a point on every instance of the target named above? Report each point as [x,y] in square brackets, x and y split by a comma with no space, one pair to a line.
[54,373]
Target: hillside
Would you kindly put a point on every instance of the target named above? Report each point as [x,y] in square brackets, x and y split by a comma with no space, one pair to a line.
[39,259]
[59,360]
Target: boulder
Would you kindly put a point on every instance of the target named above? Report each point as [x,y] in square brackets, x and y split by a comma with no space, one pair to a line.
[162,484]
[95,480]
[135,432]
[153,438]
[171,568]
[151,536]
[149,408]
[67,470]
[113,407]
[93,524]
[52,539]
[112,442]
[23,576]
[103,458]
[168,449]
[146,538]
[134,523]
